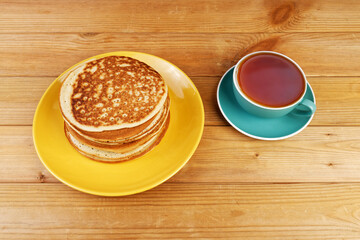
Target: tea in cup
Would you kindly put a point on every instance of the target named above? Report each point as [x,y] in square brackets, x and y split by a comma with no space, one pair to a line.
[269,84]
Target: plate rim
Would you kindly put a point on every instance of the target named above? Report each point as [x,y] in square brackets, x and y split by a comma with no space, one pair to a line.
[255,136]
[128,192]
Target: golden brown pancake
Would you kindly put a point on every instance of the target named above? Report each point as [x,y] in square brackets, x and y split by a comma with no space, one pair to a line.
[112,157]
[125,134]
[115,108]
[111,93]
[120,147]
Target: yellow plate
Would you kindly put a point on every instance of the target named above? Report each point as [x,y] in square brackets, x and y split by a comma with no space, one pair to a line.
[134,176]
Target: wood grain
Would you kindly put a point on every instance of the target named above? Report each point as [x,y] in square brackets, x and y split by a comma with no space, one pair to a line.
[18,104]
[318,154]
[234,187]
[217,16]
[319,54]
[183,211]
[18,159]
[337,98]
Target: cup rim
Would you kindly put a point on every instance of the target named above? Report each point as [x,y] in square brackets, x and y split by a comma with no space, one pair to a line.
[239,90]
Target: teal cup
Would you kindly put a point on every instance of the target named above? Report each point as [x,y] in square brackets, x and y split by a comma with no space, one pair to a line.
[301,108]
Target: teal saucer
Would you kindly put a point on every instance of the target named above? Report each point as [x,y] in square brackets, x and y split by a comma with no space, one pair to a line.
[253,126]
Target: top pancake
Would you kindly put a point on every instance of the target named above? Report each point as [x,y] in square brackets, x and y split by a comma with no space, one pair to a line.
[111,93]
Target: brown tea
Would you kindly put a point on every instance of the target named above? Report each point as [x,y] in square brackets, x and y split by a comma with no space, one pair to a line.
[271,80]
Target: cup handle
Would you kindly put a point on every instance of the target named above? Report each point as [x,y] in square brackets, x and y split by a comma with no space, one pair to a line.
[311,108]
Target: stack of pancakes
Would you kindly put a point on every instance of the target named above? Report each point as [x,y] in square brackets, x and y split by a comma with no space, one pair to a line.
[115,108]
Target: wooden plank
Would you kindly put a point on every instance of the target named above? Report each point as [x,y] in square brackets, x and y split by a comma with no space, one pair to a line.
[19,97]
[18,159]
[318,154]
[183,211]
[180,16]
[325,54]
[337,99]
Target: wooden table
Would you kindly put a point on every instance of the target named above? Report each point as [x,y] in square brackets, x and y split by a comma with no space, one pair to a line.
[234,187]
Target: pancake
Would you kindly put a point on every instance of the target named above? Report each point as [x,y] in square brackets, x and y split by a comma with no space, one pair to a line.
[126,134]
[114,108]
[110,156]
[111,93]
[120,147]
